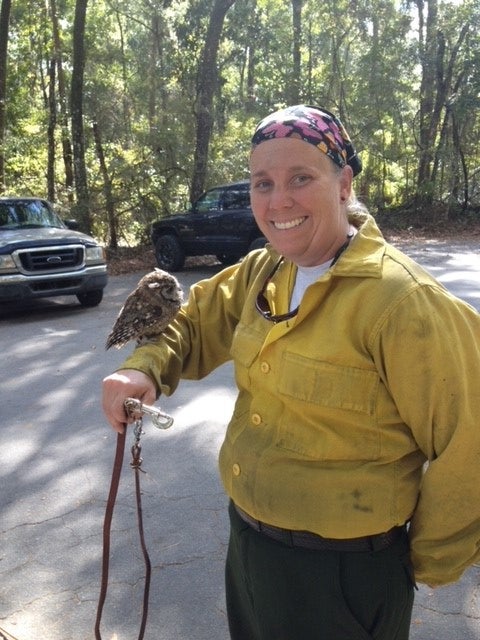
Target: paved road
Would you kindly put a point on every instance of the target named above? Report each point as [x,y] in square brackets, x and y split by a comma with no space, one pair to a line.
[57,451]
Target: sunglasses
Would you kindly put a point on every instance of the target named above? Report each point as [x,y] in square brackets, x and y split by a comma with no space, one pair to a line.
[261,302]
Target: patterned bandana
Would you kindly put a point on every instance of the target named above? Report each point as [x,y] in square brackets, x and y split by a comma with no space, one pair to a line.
[314,125]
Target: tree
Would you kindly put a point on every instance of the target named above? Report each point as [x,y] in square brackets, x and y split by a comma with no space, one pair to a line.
[442,78]
[207,83]
[4,23]
[51,132]
[293,90]
[107,188]
[175,89]
[82,207]
[62,105]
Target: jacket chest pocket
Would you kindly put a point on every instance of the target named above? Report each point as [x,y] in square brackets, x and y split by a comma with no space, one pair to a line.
[330,410]
[246,345]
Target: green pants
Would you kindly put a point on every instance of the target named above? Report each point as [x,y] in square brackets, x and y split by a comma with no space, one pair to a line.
[276,592]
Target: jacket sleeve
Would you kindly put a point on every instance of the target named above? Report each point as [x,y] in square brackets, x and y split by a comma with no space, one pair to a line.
[428,353]
[200,337]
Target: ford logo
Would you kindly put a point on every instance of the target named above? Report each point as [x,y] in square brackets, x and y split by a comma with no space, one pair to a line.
[54,259]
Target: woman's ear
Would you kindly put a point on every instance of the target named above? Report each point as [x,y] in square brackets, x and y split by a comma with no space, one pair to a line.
[346,177]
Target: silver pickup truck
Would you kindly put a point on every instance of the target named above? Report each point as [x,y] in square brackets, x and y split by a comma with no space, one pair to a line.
[41,256]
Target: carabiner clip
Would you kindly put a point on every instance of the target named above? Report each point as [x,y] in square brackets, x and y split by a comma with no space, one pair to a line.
[136,408]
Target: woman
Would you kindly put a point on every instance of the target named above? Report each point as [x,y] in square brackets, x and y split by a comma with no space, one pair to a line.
[354,367]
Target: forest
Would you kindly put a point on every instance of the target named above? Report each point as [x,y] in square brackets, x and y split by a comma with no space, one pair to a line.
[123,111]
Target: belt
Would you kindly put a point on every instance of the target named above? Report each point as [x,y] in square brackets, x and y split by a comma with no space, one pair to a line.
[314,542]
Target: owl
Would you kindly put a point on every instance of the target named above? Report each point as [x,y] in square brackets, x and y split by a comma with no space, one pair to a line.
[148,310]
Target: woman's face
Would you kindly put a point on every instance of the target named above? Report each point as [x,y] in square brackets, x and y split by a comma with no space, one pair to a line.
[299,199]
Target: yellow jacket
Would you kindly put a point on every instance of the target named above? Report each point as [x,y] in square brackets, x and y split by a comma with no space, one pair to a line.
[339,408]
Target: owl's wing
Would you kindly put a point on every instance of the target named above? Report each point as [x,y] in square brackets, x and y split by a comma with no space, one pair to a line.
[135,320]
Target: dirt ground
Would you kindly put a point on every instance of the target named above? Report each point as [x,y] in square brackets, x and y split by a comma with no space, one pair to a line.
[142,258]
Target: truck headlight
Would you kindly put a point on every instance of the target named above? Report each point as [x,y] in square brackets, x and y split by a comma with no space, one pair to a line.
[7,265]
[94,255]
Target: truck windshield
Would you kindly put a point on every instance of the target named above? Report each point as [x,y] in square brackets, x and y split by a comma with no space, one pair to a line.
[16,214]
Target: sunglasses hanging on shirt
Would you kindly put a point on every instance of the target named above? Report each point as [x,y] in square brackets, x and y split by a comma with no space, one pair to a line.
[261,302]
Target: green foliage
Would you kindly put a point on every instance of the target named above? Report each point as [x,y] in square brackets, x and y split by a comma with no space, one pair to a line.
[360,59]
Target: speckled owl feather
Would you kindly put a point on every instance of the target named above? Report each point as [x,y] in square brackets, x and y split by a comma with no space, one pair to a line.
[148,310]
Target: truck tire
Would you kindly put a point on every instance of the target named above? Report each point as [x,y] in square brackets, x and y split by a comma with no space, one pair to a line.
[228,258]
[169,253]
[90,298]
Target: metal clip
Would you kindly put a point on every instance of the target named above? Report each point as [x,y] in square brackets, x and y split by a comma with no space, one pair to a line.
[137,460]
[136,408]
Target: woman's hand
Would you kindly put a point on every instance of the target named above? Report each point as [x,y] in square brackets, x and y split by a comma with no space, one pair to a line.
[125,383]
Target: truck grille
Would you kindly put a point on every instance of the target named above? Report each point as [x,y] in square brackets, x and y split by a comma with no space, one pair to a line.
[51,259]
[55,284]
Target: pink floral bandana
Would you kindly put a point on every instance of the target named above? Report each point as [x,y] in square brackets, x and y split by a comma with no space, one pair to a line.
[314,125]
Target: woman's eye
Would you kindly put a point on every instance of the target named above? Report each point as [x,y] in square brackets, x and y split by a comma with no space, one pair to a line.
[299,180]
[262,185]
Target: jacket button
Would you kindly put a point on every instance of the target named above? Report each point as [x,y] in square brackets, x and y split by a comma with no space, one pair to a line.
[265,367]
[236,469]
[256,419]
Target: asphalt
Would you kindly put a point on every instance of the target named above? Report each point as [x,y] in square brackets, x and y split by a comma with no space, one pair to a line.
[56,458]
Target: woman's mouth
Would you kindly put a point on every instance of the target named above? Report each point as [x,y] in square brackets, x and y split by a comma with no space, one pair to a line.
[290,224]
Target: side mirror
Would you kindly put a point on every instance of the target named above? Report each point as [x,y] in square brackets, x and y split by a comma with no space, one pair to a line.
[72,224]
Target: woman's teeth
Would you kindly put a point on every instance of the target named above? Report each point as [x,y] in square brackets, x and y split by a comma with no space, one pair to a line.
[288,225]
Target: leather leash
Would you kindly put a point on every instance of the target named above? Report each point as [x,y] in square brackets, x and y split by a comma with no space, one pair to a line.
[162,421]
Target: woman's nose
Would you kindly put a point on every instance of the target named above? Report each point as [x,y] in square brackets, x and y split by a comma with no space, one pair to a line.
[280,198]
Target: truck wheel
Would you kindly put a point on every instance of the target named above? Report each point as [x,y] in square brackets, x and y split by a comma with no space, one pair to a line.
[169,253]
[228,258]
[90,298]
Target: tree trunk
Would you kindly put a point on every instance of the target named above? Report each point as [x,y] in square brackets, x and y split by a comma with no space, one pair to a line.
[447,90]
[293,91]
[107,189]
[251,68]
[52,121]
[82,208]
[435,92]
[457,142]
[427,128]
[4,23]
[155,50]
[208,80]
[62,101]
[127,122]
[249,97]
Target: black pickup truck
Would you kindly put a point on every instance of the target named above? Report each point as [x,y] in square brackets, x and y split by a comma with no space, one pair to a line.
[219,223]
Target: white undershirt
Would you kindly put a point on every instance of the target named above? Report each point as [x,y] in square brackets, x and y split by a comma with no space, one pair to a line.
[305,277]
[308,275]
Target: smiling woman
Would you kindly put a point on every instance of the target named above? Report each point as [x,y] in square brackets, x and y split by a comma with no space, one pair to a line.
[299,200]
[354,368]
